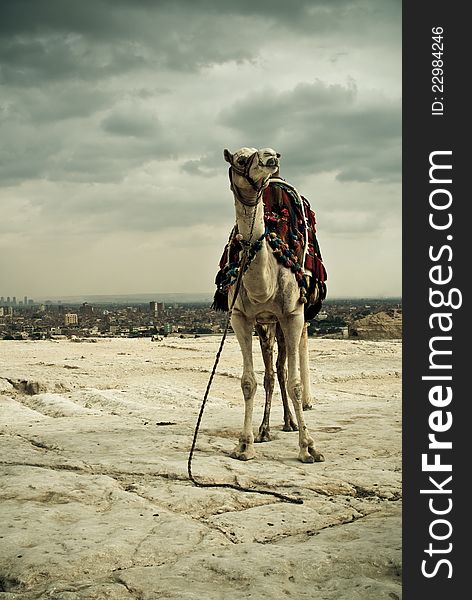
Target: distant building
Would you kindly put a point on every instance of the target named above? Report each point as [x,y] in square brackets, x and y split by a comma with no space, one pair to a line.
[25,300]
[86,309]
[156,309]
[71,319]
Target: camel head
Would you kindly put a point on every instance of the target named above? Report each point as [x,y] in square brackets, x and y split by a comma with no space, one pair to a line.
[255,166]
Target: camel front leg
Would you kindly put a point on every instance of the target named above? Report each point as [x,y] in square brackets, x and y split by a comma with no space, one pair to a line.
[243,329]
[266,335]
[292,328]
[305,370]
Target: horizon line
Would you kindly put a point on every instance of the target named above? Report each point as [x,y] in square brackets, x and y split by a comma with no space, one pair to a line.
[205,294]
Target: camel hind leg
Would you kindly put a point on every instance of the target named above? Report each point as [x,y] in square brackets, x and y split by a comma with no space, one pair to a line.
[289,422]
[266,335]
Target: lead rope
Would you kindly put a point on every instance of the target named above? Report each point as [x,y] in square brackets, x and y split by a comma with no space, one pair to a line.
[232,486]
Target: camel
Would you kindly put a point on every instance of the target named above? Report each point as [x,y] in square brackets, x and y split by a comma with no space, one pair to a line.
[268,294]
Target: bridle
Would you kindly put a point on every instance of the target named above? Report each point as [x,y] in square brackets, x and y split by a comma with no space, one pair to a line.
[244,172]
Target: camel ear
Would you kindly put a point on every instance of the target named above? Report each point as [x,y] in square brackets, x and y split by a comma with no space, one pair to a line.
[228,156]
[278,155]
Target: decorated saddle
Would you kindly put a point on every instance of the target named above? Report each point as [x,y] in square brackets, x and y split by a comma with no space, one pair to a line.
[291,233]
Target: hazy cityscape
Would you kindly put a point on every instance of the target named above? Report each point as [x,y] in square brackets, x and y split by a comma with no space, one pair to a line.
[27,319]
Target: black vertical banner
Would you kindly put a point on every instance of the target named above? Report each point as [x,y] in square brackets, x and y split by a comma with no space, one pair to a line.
[436,253]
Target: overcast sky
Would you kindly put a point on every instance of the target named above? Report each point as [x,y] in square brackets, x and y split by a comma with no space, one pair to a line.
[113,119]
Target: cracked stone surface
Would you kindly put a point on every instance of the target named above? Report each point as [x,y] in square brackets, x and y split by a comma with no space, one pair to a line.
[95,501]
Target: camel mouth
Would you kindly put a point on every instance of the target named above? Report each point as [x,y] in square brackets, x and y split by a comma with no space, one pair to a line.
[269,158]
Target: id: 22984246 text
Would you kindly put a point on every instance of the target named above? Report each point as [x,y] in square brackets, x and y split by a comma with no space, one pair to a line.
[437,71]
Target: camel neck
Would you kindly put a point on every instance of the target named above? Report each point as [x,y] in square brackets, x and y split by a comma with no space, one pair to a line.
[257,281]
[250,220]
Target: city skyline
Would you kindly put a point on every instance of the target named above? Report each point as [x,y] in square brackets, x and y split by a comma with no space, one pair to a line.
[41,321]
[145,298]
[114,117]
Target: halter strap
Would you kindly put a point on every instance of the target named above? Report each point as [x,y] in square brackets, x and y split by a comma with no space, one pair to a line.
[245,174]
[237,193]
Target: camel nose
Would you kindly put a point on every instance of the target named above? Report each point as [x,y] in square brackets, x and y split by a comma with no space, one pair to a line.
[272,162]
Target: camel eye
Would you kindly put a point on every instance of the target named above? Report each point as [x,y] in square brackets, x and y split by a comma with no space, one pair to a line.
[242,160]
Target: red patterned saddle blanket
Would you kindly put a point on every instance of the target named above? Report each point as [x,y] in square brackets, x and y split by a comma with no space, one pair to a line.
[291,233]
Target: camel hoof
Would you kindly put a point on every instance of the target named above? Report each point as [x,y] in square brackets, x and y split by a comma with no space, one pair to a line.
[290,427]
[262,436]
[307,406]
[243,453]
[310,455]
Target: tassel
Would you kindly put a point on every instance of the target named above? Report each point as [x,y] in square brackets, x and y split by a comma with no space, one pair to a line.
[220,301]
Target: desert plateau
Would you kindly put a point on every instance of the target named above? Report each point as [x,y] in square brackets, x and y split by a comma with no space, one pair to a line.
[95,502]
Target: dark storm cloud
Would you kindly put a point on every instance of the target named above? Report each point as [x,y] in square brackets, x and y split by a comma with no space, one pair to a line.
[319,127]
[105,17]
[64,152]
[64,62]
[54,104]
[62,39]
[127,123]
[55,58]
[55,39]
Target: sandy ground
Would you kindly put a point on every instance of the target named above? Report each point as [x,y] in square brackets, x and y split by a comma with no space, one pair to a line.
[95,500]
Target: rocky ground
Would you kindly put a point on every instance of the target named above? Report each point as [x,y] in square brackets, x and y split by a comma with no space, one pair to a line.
[94,497]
